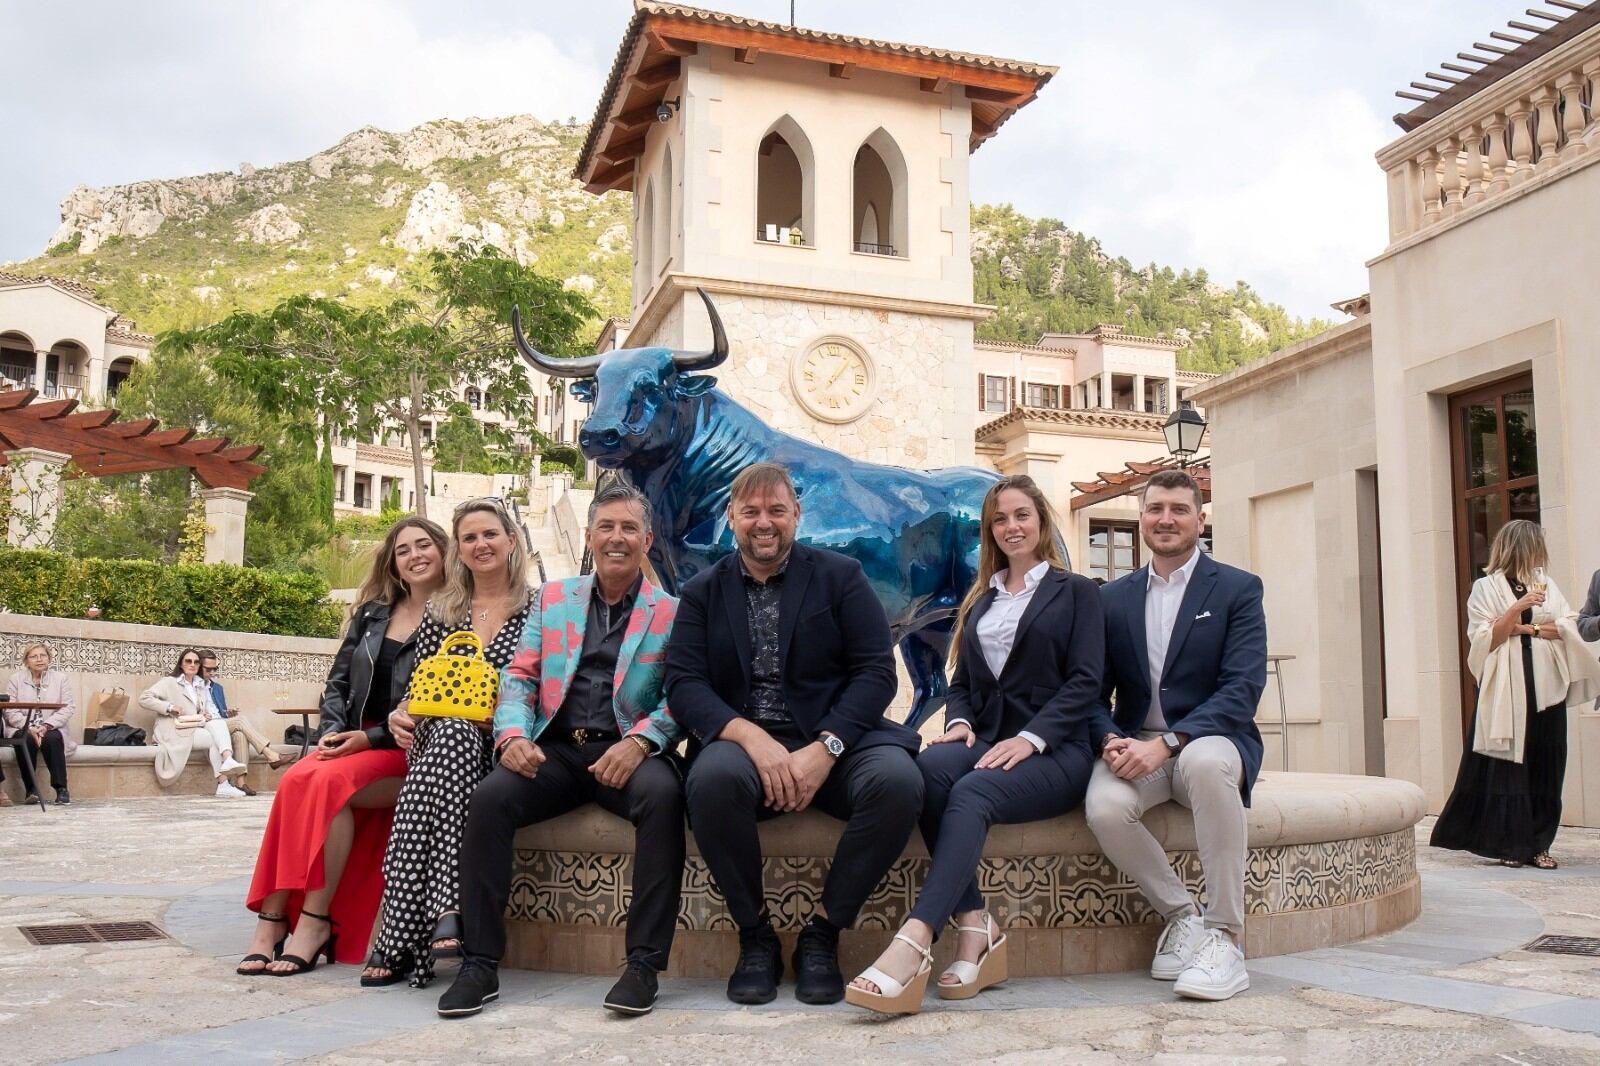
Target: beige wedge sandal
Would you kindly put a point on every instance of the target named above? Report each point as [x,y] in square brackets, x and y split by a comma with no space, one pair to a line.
[974,977]
[893,997]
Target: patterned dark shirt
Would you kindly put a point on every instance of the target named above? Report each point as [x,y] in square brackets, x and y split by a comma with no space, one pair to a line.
[765,706]
[588,704]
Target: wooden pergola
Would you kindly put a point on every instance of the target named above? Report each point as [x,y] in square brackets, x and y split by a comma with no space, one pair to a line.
[101,445]
[1133,476]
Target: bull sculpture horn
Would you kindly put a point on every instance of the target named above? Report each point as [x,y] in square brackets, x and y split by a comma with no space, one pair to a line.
[586,366]
[556,368]
[691,361]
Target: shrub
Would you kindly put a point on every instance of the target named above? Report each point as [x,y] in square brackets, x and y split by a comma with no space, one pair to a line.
[192,595]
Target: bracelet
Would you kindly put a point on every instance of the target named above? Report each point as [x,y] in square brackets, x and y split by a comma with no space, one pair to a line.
[648,748]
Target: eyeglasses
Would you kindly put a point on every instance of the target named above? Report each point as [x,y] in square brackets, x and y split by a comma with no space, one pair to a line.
[210,668]
[190,662]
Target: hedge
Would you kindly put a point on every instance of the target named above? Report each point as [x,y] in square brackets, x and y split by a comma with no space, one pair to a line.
[192,595]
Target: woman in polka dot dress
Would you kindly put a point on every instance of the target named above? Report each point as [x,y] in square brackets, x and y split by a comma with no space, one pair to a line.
[487,592]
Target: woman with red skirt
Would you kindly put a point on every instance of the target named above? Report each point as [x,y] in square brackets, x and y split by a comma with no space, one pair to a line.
[320,868]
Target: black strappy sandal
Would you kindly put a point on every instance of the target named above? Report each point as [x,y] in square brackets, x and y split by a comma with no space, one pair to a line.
[306,966]
[399,968]
[448,927]
[277,949]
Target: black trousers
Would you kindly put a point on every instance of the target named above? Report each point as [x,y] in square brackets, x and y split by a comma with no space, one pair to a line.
[963,802]
[55,756]
[505,802]
[877,792]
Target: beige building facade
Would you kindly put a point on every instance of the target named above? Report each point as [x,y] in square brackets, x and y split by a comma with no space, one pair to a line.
[1373,465]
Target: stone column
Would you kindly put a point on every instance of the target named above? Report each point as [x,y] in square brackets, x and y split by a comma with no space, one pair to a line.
[34,496]
[1138,393]
[225,511]
[1107,397]
[41,365]
[94,388]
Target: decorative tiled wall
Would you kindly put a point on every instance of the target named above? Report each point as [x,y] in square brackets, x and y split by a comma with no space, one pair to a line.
[96,656]
[1043,892]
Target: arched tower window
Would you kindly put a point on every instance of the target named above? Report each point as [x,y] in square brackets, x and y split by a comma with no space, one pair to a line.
[664,230]
[878,197]
[784,185]
[645,240]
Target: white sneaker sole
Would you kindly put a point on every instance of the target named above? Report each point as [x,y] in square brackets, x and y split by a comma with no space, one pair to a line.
[1214,993]
[1167,972]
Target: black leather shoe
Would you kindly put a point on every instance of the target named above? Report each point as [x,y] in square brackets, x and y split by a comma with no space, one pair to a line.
[755,979]
[473,987]
[62,797]
[635,990]
[816,966]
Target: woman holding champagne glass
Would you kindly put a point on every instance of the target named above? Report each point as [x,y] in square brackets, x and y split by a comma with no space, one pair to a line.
[1525,651]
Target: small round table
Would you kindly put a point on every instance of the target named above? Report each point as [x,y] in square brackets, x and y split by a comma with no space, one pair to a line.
[305,724]
[19,744]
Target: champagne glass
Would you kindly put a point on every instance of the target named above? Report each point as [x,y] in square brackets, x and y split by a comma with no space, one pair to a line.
[1537,580]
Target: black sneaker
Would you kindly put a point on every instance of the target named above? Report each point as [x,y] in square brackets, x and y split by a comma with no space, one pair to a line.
[473,987]
[755,979]
[62,797]
[635,990]
[816,965]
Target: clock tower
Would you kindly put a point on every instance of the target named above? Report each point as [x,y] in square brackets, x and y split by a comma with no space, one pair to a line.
[816,186]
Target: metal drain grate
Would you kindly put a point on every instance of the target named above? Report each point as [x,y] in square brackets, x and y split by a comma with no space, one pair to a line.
[1567,945]
[90,933]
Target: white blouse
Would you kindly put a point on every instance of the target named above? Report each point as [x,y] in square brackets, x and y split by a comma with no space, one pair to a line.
[997,629]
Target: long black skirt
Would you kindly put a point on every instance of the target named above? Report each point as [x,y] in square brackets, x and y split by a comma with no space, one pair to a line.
[1505,810]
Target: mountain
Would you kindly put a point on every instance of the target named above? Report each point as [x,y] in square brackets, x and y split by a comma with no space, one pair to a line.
[351,220]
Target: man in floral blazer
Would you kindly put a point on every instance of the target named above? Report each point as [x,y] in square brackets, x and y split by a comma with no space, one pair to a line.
[582,717]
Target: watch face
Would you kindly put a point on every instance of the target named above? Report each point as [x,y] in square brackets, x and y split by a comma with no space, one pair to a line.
[834,382]
[834,745]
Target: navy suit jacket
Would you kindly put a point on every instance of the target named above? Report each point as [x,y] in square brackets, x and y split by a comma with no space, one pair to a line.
[1050,684]
[833,644]
[1216,663]
[219,699]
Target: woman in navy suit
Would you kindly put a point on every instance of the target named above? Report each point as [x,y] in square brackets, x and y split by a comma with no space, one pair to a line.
[1029,649]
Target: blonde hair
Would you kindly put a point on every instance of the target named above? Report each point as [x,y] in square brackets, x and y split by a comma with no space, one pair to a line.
[28,650]
[991,560]
[384,584]
[1517,549]
[451,603]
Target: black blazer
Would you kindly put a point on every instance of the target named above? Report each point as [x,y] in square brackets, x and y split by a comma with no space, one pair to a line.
[1216,662]
[349,680]
[1051,680]
[833,642]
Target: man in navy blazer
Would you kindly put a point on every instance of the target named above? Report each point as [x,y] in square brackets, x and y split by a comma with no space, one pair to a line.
[780,669]
[242,733]
[1186,660]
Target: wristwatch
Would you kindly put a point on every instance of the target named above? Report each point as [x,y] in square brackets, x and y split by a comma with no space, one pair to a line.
[648,748]
[832,744]
[1174,745]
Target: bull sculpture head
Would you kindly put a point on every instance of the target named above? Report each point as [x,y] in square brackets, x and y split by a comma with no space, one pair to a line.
[639,395]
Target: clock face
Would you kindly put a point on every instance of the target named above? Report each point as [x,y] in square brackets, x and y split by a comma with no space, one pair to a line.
[834,381]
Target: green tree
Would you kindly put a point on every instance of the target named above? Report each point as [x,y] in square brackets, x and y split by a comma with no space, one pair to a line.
[356,371]
[141,516]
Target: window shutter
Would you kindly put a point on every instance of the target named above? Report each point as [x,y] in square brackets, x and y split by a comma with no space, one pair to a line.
[981,384]
[1013,394]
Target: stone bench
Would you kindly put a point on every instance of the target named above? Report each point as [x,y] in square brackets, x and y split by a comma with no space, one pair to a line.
[96,773]
[1332,859]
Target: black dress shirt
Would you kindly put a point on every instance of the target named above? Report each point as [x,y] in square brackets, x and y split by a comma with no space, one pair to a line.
[589,698]
[765,706]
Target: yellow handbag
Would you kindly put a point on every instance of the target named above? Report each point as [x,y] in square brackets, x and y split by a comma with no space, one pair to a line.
[455,686]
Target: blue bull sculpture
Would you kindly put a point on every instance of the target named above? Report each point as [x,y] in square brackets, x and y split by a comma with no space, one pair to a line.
[657,417]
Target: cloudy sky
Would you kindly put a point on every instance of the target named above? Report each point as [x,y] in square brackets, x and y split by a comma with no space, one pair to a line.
[1233,135]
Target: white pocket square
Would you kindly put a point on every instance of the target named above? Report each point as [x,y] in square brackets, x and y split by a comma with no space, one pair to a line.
[1203,614]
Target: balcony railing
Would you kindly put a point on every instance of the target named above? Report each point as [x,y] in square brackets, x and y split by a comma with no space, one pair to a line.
[56,386]
[1533,121]
[875,249]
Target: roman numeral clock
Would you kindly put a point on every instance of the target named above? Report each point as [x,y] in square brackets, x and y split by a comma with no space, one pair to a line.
[834,380]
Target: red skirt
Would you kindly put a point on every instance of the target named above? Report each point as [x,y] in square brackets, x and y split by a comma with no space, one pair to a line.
[309,795]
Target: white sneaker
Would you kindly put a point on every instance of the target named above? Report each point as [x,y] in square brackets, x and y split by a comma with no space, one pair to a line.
[230,765]
[228,790]
[1217,971]
[1176,948]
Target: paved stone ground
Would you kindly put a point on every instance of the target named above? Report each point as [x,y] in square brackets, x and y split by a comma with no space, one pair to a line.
[1455,987]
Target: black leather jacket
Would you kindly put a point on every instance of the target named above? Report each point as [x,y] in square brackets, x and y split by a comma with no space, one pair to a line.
[351,676]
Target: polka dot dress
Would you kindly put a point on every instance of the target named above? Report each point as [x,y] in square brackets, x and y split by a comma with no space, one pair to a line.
[449,756]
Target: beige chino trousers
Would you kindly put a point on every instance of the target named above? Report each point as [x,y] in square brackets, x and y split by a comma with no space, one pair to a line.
[246,736]
[1204,778]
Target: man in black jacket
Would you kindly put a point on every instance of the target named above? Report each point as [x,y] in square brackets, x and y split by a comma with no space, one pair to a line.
[780,668]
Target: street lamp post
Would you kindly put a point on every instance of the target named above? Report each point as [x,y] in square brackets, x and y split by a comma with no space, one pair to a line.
[1184,430]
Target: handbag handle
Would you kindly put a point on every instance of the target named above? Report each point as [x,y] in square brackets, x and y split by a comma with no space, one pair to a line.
[463,638]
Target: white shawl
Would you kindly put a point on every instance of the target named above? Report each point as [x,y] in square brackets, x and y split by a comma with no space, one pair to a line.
[1565,671]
